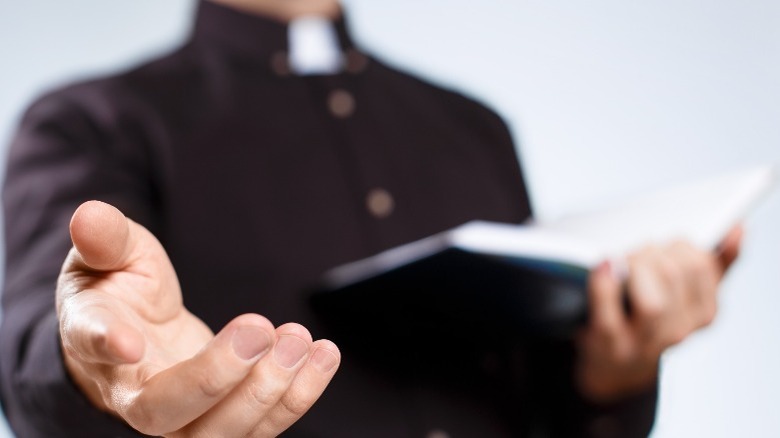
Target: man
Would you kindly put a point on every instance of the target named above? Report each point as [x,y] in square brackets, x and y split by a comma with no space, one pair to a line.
[251,179]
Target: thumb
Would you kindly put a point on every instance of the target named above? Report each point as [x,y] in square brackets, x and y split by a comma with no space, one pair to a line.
[607,313]
[106,241]
[101,235]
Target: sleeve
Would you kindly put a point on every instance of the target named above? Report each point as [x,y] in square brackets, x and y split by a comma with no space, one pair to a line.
[560,411]
[633,416]
[63,154]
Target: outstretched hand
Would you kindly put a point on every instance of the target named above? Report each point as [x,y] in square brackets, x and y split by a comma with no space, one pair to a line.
[136,351]
[672,292]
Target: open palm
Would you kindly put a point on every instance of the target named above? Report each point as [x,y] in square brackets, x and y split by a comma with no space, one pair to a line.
[136,351]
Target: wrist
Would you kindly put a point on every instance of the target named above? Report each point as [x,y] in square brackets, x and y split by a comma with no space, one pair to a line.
[602,384]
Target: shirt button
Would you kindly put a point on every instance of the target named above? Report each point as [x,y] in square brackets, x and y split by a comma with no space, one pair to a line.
[341,104]
[380,203]
[437,433]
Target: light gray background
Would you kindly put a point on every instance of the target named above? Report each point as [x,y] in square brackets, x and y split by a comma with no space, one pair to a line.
[605,98]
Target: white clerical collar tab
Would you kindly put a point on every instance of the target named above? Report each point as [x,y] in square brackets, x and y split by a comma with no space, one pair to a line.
[313,46]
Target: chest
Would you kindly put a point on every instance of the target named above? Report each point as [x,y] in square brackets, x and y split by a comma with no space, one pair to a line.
[273,188]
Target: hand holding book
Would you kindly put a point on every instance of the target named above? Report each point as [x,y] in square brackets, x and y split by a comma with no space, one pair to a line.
[672,290]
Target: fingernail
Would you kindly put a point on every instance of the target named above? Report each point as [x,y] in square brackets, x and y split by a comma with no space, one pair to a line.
[290,350]
[615,268]
[324,360]
[618,269]
[250,341]
[603,270]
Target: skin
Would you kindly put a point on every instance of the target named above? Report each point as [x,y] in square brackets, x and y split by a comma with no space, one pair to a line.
[136,352]
[672,291]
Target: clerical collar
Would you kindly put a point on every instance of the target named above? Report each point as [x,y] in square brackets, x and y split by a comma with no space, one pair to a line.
[309,45]
[313,46]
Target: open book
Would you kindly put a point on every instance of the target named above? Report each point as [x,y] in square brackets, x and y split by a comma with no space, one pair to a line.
[534,276]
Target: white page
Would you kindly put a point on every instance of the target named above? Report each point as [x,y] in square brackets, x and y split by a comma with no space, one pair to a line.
[701,212]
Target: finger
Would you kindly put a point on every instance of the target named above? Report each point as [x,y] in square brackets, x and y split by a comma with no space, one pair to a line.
[605,291]
[305,390]
[646,291]
[95,328]
[100,234]
[128,257]
[677,266]
[684,257]
[176,396]
[673,264]
[729,247]
[105,240]
[251,402]
[702,273]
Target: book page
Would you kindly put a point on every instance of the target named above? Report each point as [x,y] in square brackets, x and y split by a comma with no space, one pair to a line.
[701,213]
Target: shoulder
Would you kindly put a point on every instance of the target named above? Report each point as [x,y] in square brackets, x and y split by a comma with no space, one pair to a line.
[97,118]
[116,112]
[107,97]
[453,106]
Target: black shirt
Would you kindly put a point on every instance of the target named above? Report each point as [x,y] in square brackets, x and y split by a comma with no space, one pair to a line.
[256,181]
